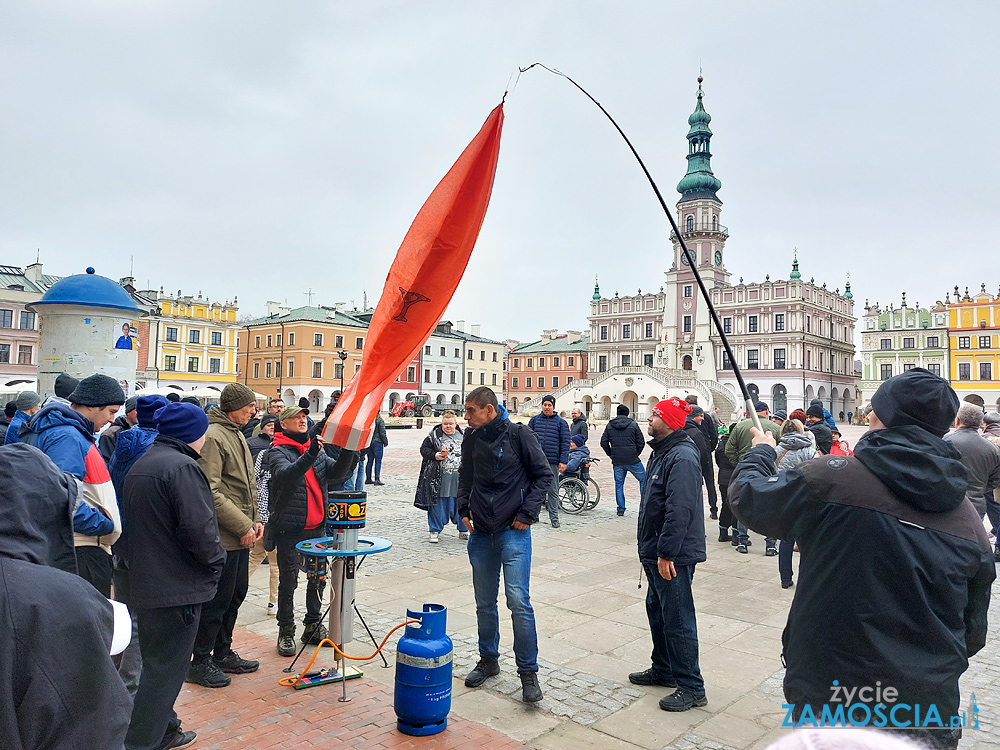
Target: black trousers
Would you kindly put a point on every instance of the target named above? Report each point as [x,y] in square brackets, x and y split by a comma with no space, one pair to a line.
[93,565]
[726,517]
[218,617]
[288,579]
[166,636]
[709,474]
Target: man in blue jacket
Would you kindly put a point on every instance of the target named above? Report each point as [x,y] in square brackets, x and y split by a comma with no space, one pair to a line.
[27,403]
[671,535]
[501,482]
[553,436]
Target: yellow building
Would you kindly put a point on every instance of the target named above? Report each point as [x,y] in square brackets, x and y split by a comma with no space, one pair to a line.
[186,342]
[974,337]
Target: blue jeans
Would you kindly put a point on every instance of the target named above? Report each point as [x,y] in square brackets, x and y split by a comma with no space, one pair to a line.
[672,623]
[374,456]
[509,550]
[357,482]
[445,512]
[785,550]
[637,470]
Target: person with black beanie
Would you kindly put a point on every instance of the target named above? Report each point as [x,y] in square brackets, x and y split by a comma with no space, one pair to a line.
[817,425]
[890,525]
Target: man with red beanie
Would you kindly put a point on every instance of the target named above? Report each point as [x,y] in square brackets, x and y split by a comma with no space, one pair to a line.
[301,476]
[671,535]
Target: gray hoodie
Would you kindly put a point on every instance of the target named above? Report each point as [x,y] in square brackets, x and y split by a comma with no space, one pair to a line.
[793,449]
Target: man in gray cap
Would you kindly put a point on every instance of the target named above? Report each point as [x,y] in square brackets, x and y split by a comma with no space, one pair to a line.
[27,402]
[106,444]
[896,567]
[225,460]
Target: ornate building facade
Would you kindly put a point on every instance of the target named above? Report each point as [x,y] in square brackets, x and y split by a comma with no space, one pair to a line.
[793,339]
[974,333]
[897,339]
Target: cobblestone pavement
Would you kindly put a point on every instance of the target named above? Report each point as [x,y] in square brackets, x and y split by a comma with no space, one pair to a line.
[592,628]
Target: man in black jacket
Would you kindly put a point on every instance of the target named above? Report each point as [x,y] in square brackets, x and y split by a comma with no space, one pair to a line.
[58,685]
[623,442]
[816,424]
[578,425]
[671,534]
[695,427]
[301,476]
[174,558]
[890,547]
[502,482]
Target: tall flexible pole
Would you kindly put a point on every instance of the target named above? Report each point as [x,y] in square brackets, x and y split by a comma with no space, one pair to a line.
[692,264]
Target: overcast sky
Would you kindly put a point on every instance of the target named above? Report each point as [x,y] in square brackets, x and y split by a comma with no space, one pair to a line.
[263,149]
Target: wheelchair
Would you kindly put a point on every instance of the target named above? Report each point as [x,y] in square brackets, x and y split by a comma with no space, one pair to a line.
[578,491]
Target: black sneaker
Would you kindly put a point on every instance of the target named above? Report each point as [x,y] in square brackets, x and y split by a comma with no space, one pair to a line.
[183,739]
[621,511]
[378,483]
[787,584]
[742,549]
[555,523]
[649,677]
[207,674]
[681,700]
[530,691]
[770,551]
[723,535]
[735,537]
[233,664]
[485,668]
[714,514]
[314,633]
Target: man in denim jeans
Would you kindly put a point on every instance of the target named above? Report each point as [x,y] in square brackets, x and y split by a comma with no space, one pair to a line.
[623,442]
[502,483]
[671,534]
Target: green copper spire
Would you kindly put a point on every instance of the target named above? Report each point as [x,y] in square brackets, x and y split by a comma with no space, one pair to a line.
[795,275]
[699,182]
[597,291]
[847,291]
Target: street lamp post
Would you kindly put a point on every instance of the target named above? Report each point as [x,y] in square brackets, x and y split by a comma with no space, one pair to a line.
[343,363]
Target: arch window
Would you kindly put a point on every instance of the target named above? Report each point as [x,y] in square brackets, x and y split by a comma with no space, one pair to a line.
[689,223]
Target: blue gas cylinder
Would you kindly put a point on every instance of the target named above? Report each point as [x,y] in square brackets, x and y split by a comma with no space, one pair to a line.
[423,673]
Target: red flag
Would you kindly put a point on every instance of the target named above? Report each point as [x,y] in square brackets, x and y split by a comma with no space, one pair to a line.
[421,282]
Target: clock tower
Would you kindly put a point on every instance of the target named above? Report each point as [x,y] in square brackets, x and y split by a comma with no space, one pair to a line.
[687,324]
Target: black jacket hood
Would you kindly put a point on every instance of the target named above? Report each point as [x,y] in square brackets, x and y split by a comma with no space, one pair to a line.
[620,422]
[919,468]
[36,516]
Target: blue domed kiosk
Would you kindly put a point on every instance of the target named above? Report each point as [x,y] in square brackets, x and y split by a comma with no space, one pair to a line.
[86,325]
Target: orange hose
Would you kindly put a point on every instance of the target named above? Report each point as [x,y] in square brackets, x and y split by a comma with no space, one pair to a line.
[293,681]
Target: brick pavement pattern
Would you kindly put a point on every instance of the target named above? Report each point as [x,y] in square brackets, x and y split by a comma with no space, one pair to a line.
[256,712]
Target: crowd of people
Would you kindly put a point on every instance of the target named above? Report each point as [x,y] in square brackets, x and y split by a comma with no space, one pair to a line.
[167,508]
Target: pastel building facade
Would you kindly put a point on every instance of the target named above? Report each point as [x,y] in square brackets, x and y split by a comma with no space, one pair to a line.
[549,365]
[184,342]
[896,339]
[974,336]
[295,353]
[793,341]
